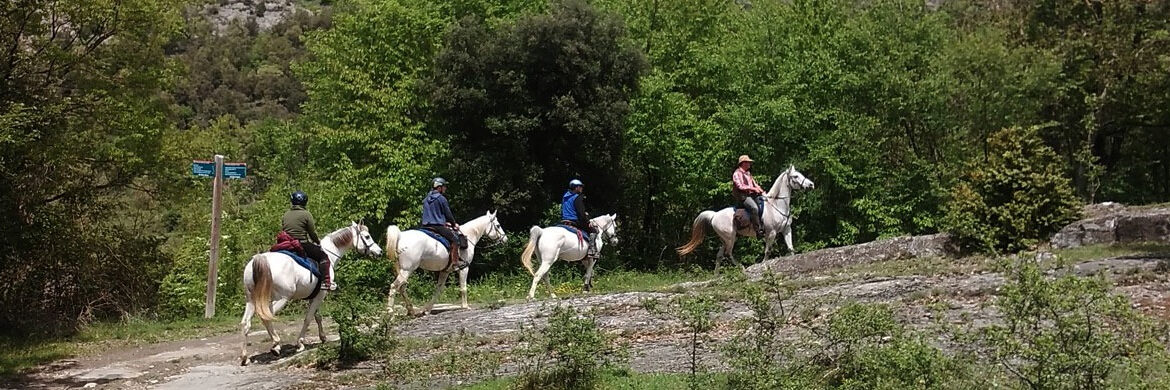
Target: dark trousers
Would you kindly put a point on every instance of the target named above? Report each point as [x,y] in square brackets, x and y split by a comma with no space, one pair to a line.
[449,234]
[314,252]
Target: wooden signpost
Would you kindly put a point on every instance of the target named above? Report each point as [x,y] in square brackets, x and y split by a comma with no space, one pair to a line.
[229,171]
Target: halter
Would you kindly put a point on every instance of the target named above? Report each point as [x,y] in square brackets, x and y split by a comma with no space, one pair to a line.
[787,175]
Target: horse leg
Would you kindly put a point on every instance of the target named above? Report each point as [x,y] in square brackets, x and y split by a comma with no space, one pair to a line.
[309,315]
[320,327]
[276,306]
[540,273]
[396,288]
[463,288]
[788,240]
[588,274]
[439,286]
[245,326]
[768,242]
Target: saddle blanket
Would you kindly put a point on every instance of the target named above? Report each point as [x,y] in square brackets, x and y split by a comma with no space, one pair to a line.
[436,236]
[582,236]
[309,264]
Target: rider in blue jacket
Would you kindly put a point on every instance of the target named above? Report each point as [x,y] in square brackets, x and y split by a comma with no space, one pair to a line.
[573,213]
[437,217]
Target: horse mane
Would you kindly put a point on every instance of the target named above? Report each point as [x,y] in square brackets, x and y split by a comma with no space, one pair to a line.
[775,190]
[342,238]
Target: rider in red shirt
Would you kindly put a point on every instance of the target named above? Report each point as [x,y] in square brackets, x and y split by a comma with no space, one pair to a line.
[747,192]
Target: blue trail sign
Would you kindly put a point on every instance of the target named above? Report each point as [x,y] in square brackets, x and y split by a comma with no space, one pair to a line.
[235,170]
[203,168]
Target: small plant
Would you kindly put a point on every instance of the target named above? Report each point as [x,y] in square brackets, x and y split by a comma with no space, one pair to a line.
[364,329]
[1071,332]
[569,353]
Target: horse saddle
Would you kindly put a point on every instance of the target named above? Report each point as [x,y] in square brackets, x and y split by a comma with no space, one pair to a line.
[303,261]
[743,220]
[582,236]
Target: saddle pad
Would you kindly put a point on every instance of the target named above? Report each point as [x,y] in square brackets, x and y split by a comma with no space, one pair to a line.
[580,233]
[436,236]
[309,264]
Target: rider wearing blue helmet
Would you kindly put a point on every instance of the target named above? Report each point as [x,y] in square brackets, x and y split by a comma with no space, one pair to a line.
[437,217]
[573,212]
[299,223]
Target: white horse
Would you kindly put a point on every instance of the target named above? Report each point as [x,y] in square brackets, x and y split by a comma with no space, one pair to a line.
[777,219]
[413,249]
[555,242]
[272,279]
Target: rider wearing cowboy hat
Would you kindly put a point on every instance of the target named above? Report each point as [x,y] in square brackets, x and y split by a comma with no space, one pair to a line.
[573,213]
[746,192]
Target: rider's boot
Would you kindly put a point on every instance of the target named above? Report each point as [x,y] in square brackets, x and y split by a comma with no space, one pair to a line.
[327,275]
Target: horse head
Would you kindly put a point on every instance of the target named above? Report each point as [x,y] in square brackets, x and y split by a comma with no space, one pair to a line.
[796,180]
[496,231]
[365,242]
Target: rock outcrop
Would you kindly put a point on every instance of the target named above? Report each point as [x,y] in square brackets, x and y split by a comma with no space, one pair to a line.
[878,251]
[1112,223]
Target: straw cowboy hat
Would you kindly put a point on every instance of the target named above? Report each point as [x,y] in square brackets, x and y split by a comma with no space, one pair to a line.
[743,159]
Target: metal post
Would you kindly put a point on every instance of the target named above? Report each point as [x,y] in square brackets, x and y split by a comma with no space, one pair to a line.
[213,262]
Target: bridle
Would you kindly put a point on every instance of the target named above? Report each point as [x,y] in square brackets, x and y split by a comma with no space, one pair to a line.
[367,244]
[603,229]
[496,228]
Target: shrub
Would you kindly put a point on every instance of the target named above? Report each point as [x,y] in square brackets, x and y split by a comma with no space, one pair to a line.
[1070,332]
[1015,197]
[364,329]
[568,354]
[859,346]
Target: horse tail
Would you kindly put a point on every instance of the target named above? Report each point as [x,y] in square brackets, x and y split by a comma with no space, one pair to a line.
[698,232]
[526,257]
[392,233]
[262,287]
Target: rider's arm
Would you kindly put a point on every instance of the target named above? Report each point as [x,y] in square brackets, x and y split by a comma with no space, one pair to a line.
[311,229]
[446,208]
[582,215]
[741,182]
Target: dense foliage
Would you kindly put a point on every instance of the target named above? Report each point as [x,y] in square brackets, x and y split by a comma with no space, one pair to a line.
[1014,198]
[886,104]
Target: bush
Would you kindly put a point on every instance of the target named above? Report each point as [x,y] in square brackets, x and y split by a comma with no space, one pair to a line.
[364,328]
[859,346]
[1017,196]
[1070,332]
[569,354]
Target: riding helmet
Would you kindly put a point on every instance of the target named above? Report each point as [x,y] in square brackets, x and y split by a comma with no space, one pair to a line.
[438,182]
[299,198]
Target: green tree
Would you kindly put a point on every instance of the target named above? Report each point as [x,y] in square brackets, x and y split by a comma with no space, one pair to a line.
[529,105]
[80,122]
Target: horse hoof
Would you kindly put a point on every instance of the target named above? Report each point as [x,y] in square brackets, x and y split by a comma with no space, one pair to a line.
[464,307]
[301,346]
[553,296]
[275,351]
[244,361]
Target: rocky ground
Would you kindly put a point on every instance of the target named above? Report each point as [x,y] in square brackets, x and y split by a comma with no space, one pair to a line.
[920,277]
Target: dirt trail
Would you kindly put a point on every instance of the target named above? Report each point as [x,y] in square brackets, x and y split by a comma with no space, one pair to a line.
[203,363]
[656,343]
